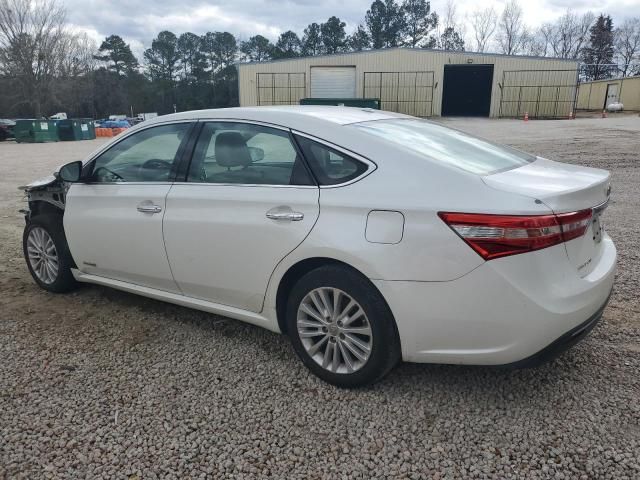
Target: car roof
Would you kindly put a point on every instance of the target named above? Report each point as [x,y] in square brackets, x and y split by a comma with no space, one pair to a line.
[289,116]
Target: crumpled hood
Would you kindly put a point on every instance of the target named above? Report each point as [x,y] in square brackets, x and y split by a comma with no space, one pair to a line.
[40,183]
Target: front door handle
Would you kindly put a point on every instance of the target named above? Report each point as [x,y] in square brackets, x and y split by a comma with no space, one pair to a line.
[284,213]
[149,208]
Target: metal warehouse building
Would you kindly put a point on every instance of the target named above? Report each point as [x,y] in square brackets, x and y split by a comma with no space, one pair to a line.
[420,82]
[600,93]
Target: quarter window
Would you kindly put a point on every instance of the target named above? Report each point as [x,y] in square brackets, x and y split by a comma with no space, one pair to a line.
[145,156]
[329,166]
[243,153]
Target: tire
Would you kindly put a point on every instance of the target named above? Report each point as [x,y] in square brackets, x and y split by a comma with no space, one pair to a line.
[61,280]
[370,315]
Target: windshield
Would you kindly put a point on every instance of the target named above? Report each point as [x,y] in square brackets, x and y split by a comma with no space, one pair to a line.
[446,145]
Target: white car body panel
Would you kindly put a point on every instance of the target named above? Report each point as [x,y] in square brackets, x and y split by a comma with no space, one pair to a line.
[504,311]
[109,237]
[449,304]
[562,186]
[220,243]
[178,299]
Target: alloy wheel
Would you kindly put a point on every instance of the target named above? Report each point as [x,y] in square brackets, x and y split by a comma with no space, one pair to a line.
[43,255]
[334,330]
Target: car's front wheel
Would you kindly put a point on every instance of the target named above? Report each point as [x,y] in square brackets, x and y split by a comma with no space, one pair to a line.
[341,327]
[47,254]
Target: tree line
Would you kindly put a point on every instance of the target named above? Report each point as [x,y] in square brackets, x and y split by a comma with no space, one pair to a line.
[46,68]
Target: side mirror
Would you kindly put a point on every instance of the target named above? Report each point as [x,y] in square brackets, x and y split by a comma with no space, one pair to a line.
[71,172]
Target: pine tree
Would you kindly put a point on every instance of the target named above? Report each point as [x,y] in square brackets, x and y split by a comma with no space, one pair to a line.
[451,40]
[333,35]
[288,45]
[118,55]
[419,22]
[312,40]
[599,53]
[386,23]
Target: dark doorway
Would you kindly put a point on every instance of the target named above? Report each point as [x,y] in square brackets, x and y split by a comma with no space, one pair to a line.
[467,90]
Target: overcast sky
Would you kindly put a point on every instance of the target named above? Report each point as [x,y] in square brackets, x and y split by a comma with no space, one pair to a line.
[139,21]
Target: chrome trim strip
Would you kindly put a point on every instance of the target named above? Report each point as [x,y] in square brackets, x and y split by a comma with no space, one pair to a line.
[269,185]
[598,209]
[242,120]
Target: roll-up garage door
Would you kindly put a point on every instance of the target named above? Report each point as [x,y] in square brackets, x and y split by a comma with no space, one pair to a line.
[333,82]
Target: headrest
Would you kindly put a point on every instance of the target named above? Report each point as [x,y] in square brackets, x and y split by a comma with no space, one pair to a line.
[321,155]
[231,150]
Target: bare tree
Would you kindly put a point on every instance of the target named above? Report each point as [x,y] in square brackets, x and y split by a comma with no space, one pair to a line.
[449,25]
[512,31]
[483,22]
[73,89]
[32,34]
[535,44]
[77,54]
[567,36]
[627,44]
[544,37]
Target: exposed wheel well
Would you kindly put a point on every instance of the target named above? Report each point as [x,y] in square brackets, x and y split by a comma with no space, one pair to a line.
[41,207]
[295,273]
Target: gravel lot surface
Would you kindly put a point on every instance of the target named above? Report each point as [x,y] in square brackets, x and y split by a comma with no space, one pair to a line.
[102,384]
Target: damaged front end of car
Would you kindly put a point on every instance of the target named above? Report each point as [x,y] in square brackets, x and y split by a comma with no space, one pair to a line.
[46,195]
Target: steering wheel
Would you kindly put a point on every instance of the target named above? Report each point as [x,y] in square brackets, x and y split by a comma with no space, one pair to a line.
[154,169]
[156,164]
[98,173]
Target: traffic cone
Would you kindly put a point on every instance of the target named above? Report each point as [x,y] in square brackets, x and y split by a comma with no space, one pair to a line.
[604,113]
[526,116]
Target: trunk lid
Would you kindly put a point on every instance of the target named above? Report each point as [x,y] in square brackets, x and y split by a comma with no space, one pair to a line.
[564,188]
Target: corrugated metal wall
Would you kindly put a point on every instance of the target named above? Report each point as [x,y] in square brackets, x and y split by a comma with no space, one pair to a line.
[540,93]
[431,65]
[591,95]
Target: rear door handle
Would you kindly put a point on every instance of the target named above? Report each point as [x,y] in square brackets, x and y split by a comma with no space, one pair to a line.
[284,213]
[149,208]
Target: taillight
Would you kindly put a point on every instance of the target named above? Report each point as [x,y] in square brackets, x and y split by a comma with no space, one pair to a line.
[494,236]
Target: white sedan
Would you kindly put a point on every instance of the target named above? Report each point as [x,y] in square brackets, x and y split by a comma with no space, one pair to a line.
[366,236]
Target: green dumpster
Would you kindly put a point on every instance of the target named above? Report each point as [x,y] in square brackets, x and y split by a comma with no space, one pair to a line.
[88,128]
[69,130]
[345,102]
[76,129]
[36,131]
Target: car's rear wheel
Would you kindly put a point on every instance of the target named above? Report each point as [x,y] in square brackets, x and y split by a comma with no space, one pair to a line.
[47,254]
[341,327]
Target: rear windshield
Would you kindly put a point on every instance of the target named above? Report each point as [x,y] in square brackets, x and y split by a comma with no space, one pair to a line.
[446,145]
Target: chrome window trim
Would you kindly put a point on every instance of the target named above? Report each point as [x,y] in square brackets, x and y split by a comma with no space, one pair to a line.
[268,185]
[122,183]
[243,120]
[356,156]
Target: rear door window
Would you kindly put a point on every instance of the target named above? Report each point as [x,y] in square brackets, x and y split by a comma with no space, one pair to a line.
[244,153]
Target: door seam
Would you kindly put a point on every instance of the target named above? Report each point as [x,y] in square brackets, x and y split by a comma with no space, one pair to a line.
[166,253]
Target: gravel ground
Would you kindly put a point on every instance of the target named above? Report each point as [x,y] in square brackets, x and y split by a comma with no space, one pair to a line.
[102,384]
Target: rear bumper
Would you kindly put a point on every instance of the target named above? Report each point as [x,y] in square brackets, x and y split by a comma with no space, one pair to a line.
[515,310]
[563,343]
